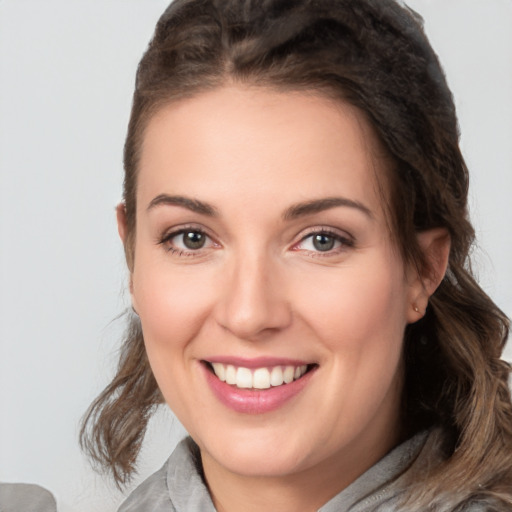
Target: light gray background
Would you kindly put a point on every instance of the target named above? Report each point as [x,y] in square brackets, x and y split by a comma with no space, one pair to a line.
[66,76]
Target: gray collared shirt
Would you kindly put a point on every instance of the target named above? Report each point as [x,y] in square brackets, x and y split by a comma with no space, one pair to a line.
[179,487]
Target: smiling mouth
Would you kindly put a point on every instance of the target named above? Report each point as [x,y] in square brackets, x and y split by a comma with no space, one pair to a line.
[258,378]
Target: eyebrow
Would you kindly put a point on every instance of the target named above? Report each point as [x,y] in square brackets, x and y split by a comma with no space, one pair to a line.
[190,204]
[320,205]
[293,212]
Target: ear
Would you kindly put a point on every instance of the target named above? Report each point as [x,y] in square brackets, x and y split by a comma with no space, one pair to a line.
[435,245]
[121,221]
[122,229]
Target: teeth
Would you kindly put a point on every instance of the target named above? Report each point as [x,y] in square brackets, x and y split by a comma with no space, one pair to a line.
[220,371]
[276,376]
[261,378]
[288,374]
[243,378]
[230,374]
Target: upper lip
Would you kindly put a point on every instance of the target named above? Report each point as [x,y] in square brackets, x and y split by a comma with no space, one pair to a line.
[257,362]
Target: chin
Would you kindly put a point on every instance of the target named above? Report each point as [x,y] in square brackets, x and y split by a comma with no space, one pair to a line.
[258,456]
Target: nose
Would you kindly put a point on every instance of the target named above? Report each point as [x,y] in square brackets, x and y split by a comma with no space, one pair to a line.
[254,302]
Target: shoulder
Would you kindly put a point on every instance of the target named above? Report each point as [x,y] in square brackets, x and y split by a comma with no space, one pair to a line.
[151,495]
[26,498]
[177,487]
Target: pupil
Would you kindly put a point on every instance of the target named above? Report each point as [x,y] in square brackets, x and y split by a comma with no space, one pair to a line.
[193,240]
[323,242]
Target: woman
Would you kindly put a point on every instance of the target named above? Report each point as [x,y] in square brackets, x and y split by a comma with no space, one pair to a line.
[296,231]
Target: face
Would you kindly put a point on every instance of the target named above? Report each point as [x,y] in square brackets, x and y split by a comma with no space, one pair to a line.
[272,299]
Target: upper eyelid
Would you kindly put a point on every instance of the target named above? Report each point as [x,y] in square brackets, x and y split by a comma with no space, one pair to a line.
[177,230]
[340,233]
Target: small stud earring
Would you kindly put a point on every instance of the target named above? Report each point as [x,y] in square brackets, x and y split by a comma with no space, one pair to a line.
[416,308]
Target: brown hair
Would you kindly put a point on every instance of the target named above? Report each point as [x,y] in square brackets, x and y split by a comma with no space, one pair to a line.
[375,55]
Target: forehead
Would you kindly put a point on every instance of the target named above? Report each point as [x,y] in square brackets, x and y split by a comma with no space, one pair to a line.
[255,143]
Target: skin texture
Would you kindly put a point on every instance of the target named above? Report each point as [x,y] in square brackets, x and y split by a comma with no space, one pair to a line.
[260,288]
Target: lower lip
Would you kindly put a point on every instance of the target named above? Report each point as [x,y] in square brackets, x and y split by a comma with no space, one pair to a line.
[255,401]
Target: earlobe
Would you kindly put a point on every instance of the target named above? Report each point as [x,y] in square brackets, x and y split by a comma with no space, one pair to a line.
[435,246]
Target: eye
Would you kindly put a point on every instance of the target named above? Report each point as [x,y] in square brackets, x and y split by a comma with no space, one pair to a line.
[324,242]
[186,241]
[192,239]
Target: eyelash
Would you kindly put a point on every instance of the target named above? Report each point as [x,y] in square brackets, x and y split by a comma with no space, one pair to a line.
[166,239]
[345,242]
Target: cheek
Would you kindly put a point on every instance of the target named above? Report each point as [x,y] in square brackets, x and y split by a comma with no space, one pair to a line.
[355,305]
[359,317]
[172,304]
[172,307]
[358,314]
